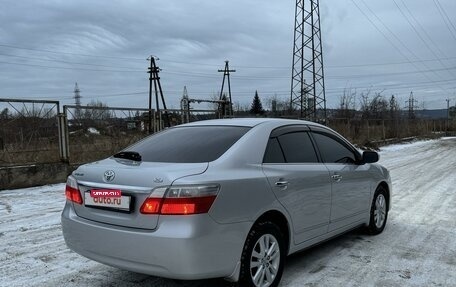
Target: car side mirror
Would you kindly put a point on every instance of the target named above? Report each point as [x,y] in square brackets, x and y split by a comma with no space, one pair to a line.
[370,157]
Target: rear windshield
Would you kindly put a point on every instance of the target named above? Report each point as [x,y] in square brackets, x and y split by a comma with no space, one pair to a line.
[188,144]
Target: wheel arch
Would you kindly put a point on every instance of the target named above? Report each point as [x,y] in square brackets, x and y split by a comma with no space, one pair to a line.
[385,185]
[281,220]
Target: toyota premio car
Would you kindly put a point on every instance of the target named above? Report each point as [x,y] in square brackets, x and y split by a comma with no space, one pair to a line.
[223,198]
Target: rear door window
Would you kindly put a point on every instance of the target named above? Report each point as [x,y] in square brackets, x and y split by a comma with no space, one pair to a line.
[298,148]
[273,152]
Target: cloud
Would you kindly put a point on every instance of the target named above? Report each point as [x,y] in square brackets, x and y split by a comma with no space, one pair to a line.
[194,38]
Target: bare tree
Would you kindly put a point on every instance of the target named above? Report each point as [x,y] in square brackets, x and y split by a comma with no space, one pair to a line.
[100,111]
[5,114]
[364,104]
[378,107]
[347,104]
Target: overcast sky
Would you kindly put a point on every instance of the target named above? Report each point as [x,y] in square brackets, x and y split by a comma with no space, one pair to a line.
[47,46]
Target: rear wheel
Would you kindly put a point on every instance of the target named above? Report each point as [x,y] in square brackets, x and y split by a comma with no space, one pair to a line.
[263,256]
[379,212]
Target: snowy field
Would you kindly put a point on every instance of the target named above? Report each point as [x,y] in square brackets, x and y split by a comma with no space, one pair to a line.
[417,248]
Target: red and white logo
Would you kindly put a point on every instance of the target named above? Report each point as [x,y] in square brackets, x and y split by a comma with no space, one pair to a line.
[105,193]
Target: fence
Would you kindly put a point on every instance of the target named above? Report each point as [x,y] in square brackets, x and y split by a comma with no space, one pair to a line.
[28,132]
[363,131]
[34,132]
[94,133]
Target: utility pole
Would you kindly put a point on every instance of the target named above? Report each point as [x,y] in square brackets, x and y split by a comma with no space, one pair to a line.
[155,86]
[150,96]
[226,74]
[308,81]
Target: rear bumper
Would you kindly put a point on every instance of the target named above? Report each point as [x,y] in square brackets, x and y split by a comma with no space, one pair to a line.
[186,248]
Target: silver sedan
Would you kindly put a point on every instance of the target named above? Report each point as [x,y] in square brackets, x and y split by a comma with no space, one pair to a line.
[224,198]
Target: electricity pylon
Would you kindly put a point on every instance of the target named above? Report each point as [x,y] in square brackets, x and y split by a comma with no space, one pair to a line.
[308,83]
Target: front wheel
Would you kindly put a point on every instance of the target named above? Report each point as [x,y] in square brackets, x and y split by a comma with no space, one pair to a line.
[263,256]
[379,212]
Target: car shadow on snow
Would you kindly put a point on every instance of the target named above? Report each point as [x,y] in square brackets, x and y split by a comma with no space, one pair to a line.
[317,259]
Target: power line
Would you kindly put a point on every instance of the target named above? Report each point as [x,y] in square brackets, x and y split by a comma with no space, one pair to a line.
[345,76]
[117,95]
[394,73]
[400,41]
[248,93]
[419,36]
[390,31]
[206,64]
[425,33]
[445,18]
[68,53]
[95,96]
[388,39]
[61,61]
[381,32]
[392,63]
[71,68]
[417,87]
[240,77]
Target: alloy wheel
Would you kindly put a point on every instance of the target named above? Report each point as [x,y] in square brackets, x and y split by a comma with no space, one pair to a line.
[265,261]
[380,211]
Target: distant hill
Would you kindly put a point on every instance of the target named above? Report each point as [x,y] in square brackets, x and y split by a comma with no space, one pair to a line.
[431,114]
[422,114]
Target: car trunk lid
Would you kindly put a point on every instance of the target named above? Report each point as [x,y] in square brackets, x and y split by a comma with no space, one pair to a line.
[135,181]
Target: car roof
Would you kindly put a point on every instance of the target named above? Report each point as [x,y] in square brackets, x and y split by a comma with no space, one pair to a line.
[248,122]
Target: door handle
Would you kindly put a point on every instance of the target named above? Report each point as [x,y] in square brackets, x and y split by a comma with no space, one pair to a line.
[282,184]
[336,177]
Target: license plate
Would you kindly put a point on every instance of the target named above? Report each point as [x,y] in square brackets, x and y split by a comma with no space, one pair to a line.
[118,203]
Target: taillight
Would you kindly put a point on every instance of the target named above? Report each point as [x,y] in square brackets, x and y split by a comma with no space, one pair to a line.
[180,200]
[72,191]
[151,206]
[187,205]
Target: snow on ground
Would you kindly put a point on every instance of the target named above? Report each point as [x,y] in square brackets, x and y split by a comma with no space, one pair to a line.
[406,146]
[93,131]
[417,248]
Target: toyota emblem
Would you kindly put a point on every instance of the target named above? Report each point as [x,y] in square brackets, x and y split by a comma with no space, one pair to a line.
[109,176]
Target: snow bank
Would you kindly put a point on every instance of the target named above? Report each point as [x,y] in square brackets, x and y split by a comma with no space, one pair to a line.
[93,131]
[407,145]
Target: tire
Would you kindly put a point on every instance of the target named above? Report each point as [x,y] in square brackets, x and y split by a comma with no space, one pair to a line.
[378,212]
[270,266]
